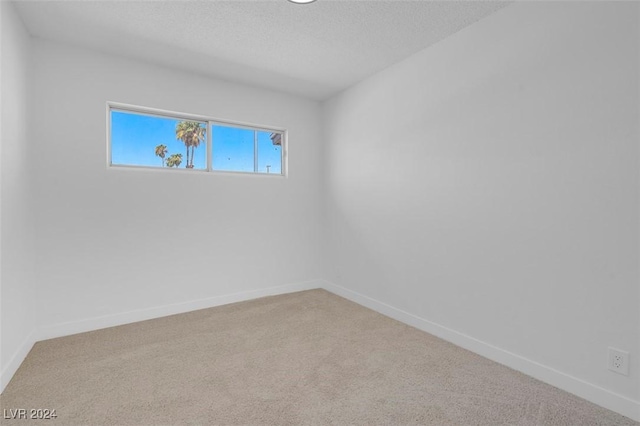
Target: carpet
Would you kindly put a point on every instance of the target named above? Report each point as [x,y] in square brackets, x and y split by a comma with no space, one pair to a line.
[307,358]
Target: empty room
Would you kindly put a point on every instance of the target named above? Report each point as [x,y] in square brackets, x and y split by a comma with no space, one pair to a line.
[279,212]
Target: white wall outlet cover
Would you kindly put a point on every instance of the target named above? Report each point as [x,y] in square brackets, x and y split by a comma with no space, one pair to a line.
[618,361]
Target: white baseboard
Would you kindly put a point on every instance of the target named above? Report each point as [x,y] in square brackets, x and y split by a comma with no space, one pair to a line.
[16,360]
[97,323]
[600,396]
[588,391]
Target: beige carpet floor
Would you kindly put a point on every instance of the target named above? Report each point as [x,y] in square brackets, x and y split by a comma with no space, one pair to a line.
[301,358]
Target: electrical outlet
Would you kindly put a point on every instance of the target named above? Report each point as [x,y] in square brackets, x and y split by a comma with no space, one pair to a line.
[619,361]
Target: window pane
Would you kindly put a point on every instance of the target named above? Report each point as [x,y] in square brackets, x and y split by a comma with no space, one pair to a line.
[232,149]
[143,140]
[269,152]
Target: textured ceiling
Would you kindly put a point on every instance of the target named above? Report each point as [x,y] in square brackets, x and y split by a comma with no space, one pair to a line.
[312,50]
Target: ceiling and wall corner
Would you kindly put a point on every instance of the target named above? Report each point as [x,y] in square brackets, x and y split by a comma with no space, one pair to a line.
[313,50]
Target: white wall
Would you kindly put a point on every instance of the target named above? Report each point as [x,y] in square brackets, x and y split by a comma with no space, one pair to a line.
[114,241]
[489,185]
[17,293]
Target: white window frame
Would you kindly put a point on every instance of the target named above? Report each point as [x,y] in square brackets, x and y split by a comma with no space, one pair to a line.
[210,122]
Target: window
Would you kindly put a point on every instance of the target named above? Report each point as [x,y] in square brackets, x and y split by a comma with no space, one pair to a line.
[140,137]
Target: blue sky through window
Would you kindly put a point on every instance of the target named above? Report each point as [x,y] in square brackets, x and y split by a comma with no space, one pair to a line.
[269,155]
[233,150]
[134,138]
